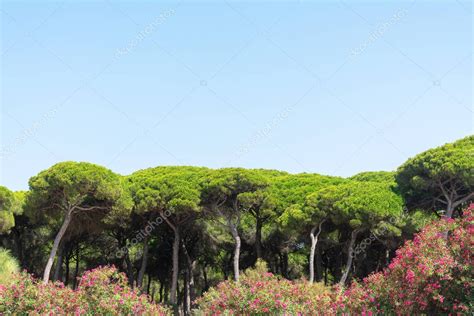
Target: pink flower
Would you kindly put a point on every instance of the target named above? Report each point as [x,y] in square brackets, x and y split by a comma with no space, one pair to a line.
[410,277]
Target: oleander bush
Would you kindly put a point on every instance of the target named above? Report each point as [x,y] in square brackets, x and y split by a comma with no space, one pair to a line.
[431,274]
[102,291]
[261,293]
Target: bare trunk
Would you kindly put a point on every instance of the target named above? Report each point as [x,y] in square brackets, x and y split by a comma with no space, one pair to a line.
[167,292]
[76,271]
[161,291]
[129,265]
[67,262]
[350,256]
[191,267]
[258,239]
[449,209]
[149,284]
[59,264]
[314,242]
[204,275]
[187,293]
[57,241]
[236,236]
[284,263]
[174,278]
[18,245]
[141,273]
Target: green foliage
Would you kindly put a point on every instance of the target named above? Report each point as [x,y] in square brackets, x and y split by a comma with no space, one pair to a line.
[7,208]
[167,188]
[298,198]
[293,189]
[375,176]
[228,183]
[262,293]
[431,274]
[437,175]
[77,186]
[102,291]
[8,266]
[360,204]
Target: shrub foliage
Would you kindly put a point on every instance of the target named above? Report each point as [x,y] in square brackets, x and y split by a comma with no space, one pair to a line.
[102,291]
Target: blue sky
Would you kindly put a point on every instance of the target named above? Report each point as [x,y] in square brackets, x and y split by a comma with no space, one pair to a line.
[303,86]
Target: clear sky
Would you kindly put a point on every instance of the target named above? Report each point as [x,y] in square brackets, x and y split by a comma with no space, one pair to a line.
[303,86]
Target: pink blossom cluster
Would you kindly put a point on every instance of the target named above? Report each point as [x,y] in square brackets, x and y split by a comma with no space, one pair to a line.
[431,274]
[101,291]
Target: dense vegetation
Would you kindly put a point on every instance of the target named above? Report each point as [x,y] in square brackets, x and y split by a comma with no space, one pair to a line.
[171,235]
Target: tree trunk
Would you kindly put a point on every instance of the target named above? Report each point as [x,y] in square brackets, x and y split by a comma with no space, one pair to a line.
[167,292]
[258,239]
[59,264]
[152,295]
[149,284]
[141,273]
[129,267]
[204,275]
[18,245]
[284,263]
[67,262]
[161,291]
[174,277]
[236,236]
[191,267]
[314,242]
[192,283]
[187,293]
[76,271]
[350,256]
[57,240]
[449,209]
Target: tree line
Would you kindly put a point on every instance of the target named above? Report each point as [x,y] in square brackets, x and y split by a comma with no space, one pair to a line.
[178,230]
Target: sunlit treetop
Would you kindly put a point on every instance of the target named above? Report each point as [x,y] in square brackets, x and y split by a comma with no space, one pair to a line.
[163,189]
[441,178]
[375,176]
[7,205]
[365,205]
[77,186]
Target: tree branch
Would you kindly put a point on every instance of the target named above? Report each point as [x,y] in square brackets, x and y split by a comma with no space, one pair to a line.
[173,227]
[463,200]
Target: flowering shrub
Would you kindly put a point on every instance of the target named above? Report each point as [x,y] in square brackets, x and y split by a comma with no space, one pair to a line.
[102,291]
[260,293]
[432,274]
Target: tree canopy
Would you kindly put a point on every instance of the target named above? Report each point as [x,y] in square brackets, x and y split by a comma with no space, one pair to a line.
[358,206]
[7,204]
[75,191]
[441,178]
